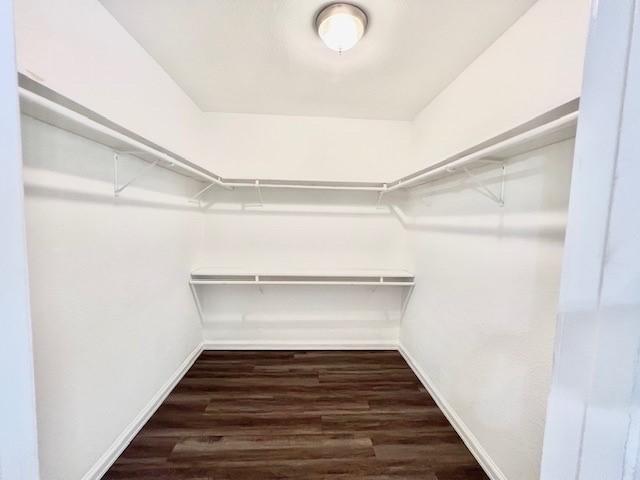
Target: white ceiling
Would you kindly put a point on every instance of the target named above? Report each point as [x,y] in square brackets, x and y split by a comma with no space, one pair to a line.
[263,56]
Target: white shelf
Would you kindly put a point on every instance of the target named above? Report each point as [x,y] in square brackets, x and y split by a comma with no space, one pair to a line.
[225,276]
[213,276]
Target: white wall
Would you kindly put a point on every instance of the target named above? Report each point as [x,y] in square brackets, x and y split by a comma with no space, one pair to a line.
[534,66]
[113,316]
[18,436]
[307,148]
[78,49]
[309,231]
[481,322]
[342,317]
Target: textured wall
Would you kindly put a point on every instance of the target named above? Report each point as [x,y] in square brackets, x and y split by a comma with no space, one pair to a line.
[481,322]
[112,314]
[533,67]
[78,49]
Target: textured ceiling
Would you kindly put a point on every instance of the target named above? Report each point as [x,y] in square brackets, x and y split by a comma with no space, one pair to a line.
[263,56]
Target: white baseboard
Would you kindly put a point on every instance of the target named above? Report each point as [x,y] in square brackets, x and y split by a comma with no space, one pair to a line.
[117,447]
[469,439]
[268,345]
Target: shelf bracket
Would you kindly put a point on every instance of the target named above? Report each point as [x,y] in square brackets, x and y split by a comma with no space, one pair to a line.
[259,191]
[257,277]
[196,197]
[481,187]
[405,301]
[117,188]
[486,191]
[197,302]
[379,282]
[380,195]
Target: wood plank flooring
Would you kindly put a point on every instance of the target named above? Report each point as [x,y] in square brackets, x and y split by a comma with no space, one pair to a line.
[317,415]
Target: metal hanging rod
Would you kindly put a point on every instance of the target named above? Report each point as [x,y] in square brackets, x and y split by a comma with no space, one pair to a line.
[449,167]
[305,185]
[45,104]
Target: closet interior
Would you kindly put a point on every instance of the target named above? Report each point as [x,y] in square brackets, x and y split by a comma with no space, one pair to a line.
[284,236]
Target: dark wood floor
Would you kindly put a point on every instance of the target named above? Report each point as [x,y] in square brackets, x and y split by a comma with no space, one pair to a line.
[303,415]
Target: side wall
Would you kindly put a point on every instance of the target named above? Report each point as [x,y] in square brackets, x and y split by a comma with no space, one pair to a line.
[533,67]
[113,317]
[78,49]
[481,323]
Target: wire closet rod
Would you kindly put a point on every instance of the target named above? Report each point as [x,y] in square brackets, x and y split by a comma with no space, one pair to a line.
[455,164]
[56,109]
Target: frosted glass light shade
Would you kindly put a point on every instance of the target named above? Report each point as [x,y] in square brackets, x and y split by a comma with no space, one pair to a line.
[341,26]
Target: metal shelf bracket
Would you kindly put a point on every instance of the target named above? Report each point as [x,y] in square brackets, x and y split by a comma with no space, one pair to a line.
[194,292]
[259,193]
[405,301]
[481,187]
[117,188]
[380,195]
[196,197]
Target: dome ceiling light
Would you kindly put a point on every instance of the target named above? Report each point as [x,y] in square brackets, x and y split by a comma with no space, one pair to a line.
[341,26]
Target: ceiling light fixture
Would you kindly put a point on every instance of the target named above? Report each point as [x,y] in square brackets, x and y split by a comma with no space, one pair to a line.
[341,26]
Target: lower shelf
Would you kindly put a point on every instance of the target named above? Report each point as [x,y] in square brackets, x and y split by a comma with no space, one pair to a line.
[374,278]
[206,276]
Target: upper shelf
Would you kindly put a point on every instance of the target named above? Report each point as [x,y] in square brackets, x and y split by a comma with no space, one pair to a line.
[39,101]
[45,104]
